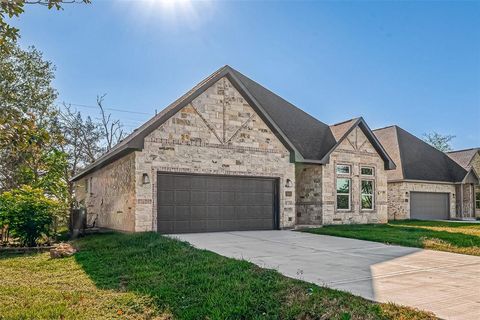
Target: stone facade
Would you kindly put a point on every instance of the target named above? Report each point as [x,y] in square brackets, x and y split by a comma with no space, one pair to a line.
[355,151]
[475,163]
[218,133]
[308,194]
[108,194]
[399,197]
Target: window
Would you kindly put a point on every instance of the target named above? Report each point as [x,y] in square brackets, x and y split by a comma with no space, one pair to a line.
[477,200]
[343,169]
[367,194]
[343,194]
[366,171]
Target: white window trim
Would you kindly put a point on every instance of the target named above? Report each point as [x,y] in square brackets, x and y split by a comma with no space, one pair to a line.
[477,201]
[367,194]
[349,193]
[367,167]
[343,165]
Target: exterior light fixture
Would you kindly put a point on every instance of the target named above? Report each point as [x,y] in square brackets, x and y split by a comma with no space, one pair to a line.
[289,183]
[145,179]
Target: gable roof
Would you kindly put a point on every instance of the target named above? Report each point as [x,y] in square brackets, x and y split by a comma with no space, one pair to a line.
[464,157]
[308,139]
[416,159]
[343,129]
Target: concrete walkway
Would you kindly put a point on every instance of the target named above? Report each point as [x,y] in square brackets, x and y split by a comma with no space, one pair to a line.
[447,284]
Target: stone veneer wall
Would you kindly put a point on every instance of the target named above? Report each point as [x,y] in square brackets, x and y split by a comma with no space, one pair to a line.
[399,197]
[308,193]
[476,166]
[355,151]
[111,199]
[218,133]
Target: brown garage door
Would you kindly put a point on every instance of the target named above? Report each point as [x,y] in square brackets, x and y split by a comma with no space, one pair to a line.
[429,205]
[206,203]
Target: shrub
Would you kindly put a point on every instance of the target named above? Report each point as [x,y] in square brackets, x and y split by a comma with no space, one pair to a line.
[28,213]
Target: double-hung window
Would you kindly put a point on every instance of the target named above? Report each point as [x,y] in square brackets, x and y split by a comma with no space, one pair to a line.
[367,188]
[344,186]
[477,200]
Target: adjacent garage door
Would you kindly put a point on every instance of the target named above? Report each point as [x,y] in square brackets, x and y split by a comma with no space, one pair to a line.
[206,203]
[429,205]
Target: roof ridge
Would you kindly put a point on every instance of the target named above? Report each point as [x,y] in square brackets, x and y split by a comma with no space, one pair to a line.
[343,122]
[386,127]
[463,150]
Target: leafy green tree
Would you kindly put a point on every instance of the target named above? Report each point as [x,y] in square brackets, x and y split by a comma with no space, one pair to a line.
[14,8]
[31,138]
[439,141]
[28,213]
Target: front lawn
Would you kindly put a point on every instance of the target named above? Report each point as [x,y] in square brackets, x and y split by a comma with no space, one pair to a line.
[148,276]
[455,237]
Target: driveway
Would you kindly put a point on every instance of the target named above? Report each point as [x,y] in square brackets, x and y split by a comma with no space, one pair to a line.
[447,284]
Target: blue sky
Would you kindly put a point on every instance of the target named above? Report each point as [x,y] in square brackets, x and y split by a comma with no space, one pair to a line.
[414,64]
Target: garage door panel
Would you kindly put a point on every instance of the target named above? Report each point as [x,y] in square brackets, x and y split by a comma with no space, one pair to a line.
[181,226]
[166,226]
[198,212]
[429,205]
[213,212]
[199,203]
[168,213]
[198,183]
[166,197]
[198,197]
[214,198]
[182,182]
[182,213]
[228,197]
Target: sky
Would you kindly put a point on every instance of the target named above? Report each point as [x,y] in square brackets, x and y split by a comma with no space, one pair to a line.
[413,64]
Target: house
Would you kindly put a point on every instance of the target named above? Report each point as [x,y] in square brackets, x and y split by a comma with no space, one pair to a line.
[426,183]
[469,159]
[232,155]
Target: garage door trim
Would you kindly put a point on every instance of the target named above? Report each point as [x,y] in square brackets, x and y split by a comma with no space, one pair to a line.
[276,186]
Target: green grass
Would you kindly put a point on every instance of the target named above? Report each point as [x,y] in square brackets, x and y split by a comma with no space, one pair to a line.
[437,235]
[147,276]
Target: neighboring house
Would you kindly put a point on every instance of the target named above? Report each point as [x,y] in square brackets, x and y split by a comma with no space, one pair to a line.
[468,159]
[426,183]
[232,155]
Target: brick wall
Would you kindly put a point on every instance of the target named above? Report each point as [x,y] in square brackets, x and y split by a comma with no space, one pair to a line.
[110,195]
[218,133]
[308,193]
[399,197]
[355,151]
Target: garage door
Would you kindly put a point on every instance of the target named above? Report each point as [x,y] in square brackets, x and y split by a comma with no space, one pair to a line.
[429,205]
[206,203]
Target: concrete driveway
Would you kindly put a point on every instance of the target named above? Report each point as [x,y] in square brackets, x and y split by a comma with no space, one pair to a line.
[447,284]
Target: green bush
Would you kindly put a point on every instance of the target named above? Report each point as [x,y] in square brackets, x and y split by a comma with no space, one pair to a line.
[28,213]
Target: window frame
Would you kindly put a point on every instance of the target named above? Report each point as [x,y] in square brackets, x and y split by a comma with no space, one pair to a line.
[349,194]
[367,167]
[477,199]
[343,173]
[367,194]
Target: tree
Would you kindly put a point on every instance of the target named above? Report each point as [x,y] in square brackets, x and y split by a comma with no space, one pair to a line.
[31,139]
[14,8]
[439,141]
[86,139]
[111,129]
[28,213]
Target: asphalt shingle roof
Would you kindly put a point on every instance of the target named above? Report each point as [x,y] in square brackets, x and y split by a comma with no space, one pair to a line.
[416,159]
[463,157]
